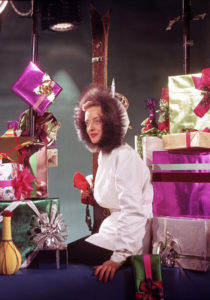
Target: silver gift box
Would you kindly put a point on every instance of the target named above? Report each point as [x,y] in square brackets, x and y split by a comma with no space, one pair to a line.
[182,242]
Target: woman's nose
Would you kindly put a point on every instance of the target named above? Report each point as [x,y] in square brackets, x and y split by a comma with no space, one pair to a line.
[91,126]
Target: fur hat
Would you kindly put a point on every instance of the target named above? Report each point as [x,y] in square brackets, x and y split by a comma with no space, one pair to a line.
[114,119]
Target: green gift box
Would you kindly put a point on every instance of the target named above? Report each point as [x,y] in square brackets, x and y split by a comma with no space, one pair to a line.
[148,277]
[183,99]
[24,220]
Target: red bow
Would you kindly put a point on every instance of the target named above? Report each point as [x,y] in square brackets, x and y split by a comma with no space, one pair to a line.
[150,290]
[203,83]
[82,184]
[22,184]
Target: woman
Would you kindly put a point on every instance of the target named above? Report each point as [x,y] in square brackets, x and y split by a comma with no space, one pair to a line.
[122,183]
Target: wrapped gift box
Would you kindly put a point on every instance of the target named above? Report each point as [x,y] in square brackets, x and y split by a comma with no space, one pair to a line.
[24,221]
[36,88]
[10,146]
[36,159]
[181,182]
[145,146]
[8,173]
[184,97]
[195,139]
[182,242]
[148,277]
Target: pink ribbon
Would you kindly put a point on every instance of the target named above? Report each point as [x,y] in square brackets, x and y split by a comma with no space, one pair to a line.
[149,289]
[203,83]
[188,140]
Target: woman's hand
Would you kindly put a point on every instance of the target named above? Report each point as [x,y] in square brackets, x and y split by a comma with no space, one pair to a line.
[107,270]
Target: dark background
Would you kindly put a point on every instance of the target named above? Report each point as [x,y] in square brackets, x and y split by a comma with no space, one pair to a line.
[141,56]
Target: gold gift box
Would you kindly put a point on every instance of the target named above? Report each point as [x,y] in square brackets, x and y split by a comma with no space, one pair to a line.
[196,139]
[10,146]
[183,98]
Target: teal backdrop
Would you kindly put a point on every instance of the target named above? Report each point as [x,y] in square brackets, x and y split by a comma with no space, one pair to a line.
[141,56]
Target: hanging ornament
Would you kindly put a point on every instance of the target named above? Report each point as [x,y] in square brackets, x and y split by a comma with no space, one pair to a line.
[10,257]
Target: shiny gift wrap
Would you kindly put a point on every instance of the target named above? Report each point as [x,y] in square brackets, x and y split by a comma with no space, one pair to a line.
[194,139]
[35,158]
[8,172]
[24,221]
[36,88]
[148,277]
[182,242]
[184,97]
[181,182]
[11,145]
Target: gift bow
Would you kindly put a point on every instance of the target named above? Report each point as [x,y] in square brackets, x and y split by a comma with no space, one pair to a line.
[148,288]
[203,83]
[50,232]
[167,250]
[46,88]
[22,183]
[152,290]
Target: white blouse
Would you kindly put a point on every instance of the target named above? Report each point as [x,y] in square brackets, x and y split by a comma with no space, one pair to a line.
[123,185]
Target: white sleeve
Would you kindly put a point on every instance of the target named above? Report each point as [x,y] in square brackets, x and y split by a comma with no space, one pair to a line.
[132,177]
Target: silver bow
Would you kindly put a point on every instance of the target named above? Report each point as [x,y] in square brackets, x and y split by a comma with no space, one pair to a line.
[168,250]
[50,232]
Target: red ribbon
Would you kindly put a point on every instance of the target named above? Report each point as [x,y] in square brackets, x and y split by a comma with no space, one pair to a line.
[22,183]
[188,141]
[203,83]
[181,177]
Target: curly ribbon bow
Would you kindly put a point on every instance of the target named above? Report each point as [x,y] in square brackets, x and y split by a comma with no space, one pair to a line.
[148,288]
[48,233]
[203,83]
[167,250]
[46,127]
[45,90]
[22,183]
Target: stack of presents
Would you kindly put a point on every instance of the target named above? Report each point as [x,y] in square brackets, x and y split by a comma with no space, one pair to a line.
[175,144]
[37,225]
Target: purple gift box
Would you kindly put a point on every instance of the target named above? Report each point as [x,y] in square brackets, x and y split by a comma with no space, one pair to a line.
[36,88]
[181,182]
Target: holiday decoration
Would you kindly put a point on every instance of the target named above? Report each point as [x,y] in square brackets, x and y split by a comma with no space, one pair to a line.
[190,139]
[148,277]
[10,257]
[163,119]
[10,144]
[36,88]
[35,158]
[184,97]
[46,127]
[182,242]
[25,213]
[181,183]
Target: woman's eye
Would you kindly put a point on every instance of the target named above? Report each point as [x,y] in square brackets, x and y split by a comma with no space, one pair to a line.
[97,121]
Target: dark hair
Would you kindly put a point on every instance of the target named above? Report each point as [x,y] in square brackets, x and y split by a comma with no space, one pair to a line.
[114,118]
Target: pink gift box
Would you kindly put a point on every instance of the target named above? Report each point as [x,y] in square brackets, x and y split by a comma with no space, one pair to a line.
[181,182]
[8,172]
[36,88]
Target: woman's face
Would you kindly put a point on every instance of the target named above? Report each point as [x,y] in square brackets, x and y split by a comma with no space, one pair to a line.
[93,121]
